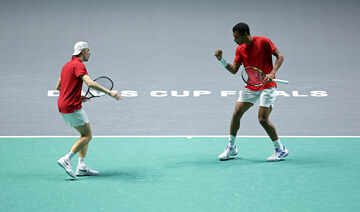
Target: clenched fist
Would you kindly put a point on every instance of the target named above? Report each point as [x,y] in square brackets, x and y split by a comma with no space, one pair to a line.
[218,54]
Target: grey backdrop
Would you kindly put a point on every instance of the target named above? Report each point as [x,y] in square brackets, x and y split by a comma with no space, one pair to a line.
[146,45]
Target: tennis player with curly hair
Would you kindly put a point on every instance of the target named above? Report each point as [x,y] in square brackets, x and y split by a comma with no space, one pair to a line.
[254,51]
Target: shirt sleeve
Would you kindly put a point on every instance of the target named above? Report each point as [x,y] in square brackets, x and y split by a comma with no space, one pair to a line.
[238,58]
[270,44]
[80,70]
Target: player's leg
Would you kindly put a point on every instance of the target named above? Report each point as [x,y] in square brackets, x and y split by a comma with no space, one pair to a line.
[246,100]
[85,132]
[80,122]
[82,155]
[81,146]
[267,99]
[240,109]
[231,149]
[82,142]
[263,115]
[83,151]
[78,119]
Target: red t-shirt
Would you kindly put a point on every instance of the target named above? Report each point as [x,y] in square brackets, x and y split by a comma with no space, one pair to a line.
[257,54]
[71,85]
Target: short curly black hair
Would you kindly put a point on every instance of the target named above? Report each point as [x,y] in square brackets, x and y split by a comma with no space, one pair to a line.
[242,28]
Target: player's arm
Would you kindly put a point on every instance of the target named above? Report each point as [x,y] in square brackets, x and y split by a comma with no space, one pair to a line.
[58,85]
[232,68]
[89,82]
[279,60]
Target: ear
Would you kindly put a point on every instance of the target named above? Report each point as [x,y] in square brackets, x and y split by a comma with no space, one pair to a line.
[82,53]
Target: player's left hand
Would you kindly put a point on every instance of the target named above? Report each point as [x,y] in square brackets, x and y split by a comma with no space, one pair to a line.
[84,99]
[269,77]
[115,95]
[218,54]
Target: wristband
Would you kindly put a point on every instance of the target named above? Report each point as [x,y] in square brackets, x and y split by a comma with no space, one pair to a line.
[223,62]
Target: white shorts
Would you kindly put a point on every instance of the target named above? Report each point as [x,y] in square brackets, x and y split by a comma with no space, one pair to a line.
[75,119]
[266,96]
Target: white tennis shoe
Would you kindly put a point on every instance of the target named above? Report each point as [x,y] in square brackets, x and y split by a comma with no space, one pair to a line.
[228,153]
[85,171]
[66,164]
[278,155]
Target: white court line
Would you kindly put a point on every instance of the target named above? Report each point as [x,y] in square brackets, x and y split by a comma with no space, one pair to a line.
[178,136]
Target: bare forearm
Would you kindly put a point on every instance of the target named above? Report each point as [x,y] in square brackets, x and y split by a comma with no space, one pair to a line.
[98,87]
[277,64]
[279,60]
[58,85]
[232,68]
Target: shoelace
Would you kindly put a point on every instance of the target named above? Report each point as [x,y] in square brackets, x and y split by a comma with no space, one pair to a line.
[83,169]
[230,148]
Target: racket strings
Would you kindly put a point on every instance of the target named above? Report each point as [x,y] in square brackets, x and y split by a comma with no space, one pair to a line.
[253,76]
[103,81]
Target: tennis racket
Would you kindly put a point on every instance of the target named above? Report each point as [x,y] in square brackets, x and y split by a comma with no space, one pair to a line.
[255,77]
[104,81]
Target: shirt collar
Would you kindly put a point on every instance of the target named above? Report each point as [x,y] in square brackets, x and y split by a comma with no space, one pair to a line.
[75,58]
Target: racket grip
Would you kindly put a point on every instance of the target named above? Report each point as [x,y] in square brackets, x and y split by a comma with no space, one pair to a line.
[281,81]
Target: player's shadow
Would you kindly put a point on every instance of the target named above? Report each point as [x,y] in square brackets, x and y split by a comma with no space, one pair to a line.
[124,175]
[237,161]
[244,160]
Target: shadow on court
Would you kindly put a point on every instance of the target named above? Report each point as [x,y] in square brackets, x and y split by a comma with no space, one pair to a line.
[215,163]
[136,175]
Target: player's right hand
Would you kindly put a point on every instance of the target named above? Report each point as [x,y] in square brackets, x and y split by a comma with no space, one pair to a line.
[115,95]
[84,99]
[218,54]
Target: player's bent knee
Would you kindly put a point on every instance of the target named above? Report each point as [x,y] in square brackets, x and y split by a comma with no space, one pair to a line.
[86,138]
[263,121]
[237,115]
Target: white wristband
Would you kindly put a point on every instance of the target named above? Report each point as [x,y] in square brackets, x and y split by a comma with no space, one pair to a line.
[223,62]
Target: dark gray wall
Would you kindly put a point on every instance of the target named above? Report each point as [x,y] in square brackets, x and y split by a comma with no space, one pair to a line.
[168,45]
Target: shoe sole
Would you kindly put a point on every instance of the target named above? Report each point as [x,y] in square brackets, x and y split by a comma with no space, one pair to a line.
[278,159]
[229,158]
[84,175]
[225,159]
[67,172]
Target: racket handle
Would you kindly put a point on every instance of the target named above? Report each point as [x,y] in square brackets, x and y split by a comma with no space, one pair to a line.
[281,81]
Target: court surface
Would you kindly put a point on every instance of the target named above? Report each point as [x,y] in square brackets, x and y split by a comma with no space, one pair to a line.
[182,174]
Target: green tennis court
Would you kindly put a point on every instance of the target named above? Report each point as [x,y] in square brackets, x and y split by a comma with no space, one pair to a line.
[181,174]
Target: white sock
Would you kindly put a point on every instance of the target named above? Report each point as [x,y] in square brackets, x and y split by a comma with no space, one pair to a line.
[278,145]
[81,162]
[232,141]
[69,155]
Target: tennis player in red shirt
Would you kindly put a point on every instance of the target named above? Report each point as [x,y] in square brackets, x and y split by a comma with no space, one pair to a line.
[70,83]
[254,51]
